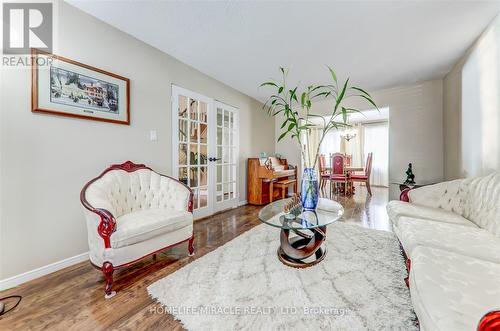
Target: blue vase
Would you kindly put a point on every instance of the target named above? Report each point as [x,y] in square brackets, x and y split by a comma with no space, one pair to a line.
[309,189]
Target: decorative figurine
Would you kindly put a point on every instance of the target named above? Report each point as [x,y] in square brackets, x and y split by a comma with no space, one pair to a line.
[410,177]
[293,208]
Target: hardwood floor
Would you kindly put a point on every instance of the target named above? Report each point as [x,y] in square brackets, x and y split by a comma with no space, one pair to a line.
[72,298]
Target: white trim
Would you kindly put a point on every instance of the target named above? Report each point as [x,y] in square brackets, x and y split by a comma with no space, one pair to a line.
[42,271]
[242,203]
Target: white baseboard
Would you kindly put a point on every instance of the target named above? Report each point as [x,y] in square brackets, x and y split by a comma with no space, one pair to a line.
[242,203]
[42,271]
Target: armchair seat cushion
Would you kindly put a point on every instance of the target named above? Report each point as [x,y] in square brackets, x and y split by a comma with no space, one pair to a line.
[359,177]
[464,240]
[451,291]
[399,209]
[145,224]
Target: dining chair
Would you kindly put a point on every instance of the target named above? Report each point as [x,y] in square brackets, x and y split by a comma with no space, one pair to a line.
[348,159]
[337,172]
[365,177]
[323,171]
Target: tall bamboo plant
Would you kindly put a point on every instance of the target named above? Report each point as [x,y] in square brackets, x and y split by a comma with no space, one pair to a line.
[295,107]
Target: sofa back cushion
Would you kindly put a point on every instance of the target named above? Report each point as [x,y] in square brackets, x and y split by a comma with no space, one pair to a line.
[122,192]
[481,204]
[446,195]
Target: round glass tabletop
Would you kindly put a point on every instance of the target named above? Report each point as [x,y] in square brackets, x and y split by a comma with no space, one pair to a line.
[327,211]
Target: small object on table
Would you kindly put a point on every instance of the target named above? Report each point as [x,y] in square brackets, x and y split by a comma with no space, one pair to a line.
[410,177]
[293,208]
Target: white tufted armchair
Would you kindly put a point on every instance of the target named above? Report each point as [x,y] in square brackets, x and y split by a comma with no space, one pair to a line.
[133,212]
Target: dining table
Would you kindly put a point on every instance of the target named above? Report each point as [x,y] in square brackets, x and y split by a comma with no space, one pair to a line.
[349,170]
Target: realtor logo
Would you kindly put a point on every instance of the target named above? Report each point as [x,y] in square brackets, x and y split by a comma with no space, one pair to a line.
[27,25]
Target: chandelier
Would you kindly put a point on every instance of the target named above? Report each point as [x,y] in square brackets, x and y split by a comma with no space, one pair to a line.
[349,133]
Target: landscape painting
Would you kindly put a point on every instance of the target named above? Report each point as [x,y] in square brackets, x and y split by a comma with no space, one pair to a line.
[73,89]
[68,88]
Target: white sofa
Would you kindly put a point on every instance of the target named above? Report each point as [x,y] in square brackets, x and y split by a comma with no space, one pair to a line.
[450,234]
[133,212]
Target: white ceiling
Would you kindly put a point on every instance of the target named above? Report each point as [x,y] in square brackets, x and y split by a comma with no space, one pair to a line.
[378,44]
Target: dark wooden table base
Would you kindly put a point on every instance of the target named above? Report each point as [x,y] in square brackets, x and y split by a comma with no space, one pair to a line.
[304,250]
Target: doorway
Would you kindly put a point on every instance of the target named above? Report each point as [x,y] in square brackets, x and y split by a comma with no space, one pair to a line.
[205,150]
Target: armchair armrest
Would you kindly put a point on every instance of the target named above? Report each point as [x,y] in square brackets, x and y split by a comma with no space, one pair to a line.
[490,321]
[107,224]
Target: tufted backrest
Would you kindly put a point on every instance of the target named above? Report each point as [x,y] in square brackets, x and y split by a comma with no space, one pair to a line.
[481,203]
[122,192]
[446,195]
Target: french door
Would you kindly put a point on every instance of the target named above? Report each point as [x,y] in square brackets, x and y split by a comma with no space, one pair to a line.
[205,150]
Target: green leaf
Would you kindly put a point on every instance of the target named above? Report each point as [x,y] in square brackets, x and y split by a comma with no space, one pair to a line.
[294,94]
[303,99]
[361,90]
[290,127]
[280,89]
[334,75]
[370,101]
[282,135]
[341,95]
[326,94]
[284,123]
[268,83]
[352,110]
[344,115]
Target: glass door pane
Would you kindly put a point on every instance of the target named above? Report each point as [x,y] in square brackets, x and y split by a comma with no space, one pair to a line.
[192,146]
[227,159]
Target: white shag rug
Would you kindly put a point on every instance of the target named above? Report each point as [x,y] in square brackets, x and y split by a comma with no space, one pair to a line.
[243,286]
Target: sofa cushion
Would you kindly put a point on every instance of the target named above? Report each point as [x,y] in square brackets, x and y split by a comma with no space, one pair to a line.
[398,209]
[145,224]
[451,291]
[474,242]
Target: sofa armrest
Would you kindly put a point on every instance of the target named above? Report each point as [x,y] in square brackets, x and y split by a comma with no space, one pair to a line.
[490,321]
[404,195]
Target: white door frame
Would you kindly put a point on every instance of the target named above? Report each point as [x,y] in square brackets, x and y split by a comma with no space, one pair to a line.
[212,205]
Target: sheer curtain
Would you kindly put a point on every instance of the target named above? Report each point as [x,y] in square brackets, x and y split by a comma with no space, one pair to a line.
[313,140]
[355,147]
[376,141]
[331,144]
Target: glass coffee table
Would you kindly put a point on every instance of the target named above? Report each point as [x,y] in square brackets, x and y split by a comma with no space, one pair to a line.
[306,247]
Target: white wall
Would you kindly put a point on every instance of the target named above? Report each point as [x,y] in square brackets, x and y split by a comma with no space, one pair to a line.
[471,107]
[45,160]
[415,131]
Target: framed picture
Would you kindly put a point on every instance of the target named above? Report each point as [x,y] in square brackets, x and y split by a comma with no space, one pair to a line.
[61,86]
